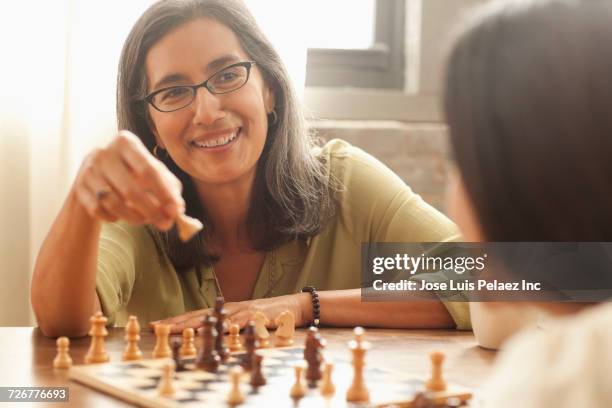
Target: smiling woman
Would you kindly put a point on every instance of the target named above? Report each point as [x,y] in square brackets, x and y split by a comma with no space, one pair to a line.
[212,128]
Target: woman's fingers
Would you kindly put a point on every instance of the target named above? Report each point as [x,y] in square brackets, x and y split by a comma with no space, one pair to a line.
[240,313]
[155,178]
[191,319]
[129,188]
[115,205]
[96,195]
[178,327]
[124,181]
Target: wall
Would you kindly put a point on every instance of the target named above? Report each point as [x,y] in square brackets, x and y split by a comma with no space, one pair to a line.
[14,225]
[417,152]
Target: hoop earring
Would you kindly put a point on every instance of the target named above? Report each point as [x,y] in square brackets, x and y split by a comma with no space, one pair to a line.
[156,150]
[274,117]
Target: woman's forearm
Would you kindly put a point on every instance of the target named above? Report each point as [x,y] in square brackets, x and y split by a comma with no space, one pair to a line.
[63,283]
[345,308]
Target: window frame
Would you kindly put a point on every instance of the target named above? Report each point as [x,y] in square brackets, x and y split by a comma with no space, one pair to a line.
[428,30]
[381,66]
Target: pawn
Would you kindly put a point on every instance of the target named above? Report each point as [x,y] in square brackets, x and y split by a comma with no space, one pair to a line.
[96,352]
[234,342]
[63,359]
[176,356]
[297,389]
[132,337]
[188,348]
[220,326]
[257,377]
[436,382]
[165,387]
[250,344]
[235,396]
[328,389]
[162,347]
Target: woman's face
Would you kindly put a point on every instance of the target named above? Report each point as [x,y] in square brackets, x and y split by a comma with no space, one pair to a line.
[218,138]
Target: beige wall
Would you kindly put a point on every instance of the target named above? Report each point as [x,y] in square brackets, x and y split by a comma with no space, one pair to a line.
[15,226]
[417,152]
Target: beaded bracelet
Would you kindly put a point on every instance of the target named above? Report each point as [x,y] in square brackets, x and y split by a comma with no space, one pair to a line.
[316,307]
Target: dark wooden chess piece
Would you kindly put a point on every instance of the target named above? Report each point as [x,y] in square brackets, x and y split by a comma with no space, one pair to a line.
[312,355]
[257,377]
[208,359]
[250,344]
[221,315]
[178,363]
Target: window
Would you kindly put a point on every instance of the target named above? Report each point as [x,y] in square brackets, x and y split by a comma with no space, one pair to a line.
[356,44]
[399,76]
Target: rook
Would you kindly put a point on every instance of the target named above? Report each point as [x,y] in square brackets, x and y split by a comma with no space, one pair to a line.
[162,347]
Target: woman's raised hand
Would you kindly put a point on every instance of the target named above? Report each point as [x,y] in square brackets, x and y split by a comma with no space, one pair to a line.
[123,181]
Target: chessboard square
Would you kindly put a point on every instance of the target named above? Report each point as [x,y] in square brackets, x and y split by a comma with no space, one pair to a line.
[290,363]
[157,362]
[178,395]
[416,383]
[188,385]
[223,369]
[271,372]
[267,362]
[143,372]
[276,353]
[210,399]
[106,370]
[197,375]
[132,382]
[134,365]
[221,386]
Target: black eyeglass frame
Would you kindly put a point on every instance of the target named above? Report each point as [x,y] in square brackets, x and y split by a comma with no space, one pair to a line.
[194,88]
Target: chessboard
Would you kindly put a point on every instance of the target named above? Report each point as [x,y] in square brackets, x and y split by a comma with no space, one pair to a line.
[137,381]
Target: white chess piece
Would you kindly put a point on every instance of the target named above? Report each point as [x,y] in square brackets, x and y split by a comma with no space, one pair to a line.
[286,329]
[261,332]
[235,396]
[63,359]
[165,387]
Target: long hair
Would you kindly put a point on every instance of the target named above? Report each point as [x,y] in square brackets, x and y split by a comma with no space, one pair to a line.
[291,196]
[529,106]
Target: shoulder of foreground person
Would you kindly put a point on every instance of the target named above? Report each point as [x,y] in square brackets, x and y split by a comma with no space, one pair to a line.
[565,364]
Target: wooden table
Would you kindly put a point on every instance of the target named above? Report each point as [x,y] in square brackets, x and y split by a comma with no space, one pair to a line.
[26,357]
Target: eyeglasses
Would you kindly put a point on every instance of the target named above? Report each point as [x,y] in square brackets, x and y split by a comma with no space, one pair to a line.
[227,80]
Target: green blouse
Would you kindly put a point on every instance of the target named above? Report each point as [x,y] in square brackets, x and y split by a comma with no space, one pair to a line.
[135,276]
